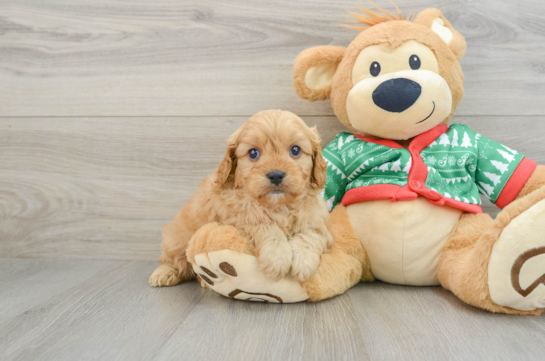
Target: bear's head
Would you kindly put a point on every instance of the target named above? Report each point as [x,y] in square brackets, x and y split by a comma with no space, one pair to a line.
[396,79]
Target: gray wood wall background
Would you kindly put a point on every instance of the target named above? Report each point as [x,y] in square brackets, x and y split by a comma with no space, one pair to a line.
[111,112]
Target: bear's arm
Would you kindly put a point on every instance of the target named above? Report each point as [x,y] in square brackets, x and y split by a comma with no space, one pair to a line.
[502,173]
[335,185]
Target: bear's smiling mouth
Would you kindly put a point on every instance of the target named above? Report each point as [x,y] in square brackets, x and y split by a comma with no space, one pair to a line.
[426,118]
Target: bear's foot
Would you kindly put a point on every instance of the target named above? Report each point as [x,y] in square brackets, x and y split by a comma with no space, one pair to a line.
[516,271]
[236,275]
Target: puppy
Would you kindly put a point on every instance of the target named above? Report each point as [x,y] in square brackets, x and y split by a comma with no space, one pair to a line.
[268,187]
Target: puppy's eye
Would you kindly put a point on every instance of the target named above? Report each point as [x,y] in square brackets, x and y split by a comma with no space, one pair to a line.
[374,69]
[253,154]
[414,62]
[295,151]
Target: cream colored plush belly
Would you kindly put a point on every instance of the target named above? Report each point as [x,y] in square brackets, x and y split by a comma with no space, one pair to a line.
[403,239]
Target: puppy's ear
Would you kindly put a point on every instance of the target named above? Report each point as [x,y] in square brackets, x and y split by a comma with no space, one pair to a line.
[319,165]
[434,19]
[313,71]
[228,164]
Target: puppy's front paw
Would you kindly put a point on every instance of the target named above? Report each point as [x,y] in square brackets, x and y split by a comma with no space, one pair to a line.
[275,259]
[305,263]
[164,276]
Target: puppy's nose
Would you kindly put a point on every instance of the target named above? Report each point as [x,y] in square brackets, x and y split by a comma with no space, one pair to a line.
[276,176]
[397,95]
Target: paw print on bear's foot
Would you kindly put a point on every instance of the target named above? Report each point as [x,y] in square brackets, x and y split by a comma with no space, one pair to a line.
[236,275]
[516,271]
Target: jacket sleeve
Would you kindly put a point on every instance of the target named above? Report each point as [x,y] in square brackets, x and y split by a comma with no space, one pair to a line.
[501,171]
[335,185]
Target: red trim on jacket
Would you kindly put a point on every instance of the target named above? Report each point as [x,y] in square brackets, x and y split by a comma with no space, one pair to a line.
[419,170]
[517,181]
[378,191]
[471,208]
[396,193]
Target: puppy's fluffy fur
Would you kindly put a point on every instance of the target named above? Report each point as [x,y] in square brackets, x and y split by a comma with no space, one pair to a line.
[287,224]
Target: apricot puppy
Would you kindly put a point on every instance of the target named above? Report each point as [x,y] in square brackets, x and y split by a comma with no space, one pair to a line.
[268,186]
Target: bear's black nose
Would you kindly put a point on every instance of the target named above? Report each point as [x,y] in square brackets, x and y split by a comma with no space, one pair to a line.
[276,176]
[396,95]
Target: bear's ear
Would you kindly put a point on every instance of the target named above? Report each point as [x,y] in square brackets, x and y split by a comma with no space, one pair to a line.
[434,19]
[228,165]
[314,69]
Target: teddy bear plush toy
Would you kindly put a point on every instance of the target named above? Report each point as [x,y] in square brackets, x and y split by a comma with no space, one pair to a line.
[404,187]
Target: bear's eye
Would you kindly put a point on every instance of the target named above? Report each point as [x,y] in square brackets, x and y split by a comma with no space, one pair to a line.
[295,151]
[253,154]
[375,69]
[414,62]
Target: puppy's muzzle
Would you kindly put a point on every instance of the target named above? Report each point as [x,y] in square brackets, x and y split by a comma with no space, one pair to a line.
[276,176]
[397,95]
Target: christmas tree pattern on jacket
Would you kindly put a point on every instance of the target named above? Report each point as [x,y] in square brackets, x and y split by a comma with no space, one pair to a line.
[460,162]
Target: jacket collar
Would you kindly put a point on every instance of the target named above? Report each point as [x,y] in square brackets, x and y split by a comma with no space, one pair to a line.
[420,142]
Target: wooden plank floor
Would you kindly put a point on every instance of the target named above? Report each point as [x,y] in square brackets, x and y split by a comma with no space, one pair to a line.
[104,310]
[111,113]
